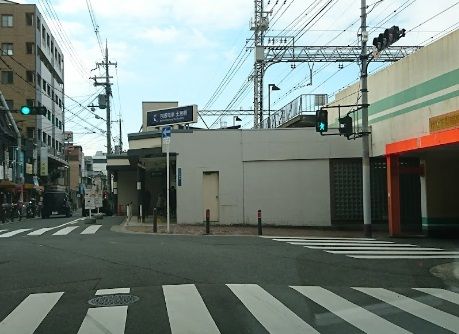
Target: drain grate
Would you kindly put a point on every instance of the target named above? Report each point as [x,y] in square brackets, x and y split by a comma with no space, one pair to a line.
[113,300]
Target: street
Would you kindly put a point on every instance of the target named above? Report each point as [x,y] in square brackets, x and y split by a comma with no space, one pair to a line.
[60,275]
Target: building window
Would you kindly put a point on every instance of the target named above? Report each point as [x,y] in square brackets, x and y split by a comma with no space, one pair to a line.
[10,104]
[49,115]
[49,140]
[38,24]
[43,84]
[29,47]
[7,77]
[48,89]
[7,21]
[44,137]
[47,40]
[43,34]
[30,75]
[52,47]
[29,19]
[7,49]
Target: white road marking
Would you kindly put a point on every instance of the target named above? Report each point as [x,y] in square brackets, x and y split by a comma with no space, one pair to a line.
[357,316]
[412,257]
[28,315]
[379,247]
[271,313]
[103,320]
[335,241]
[413,251]
[447,295]
[91,229]
[3,231]
[312,238]
[12,233]
[186,310]
[423,311]
[41,231]
[112,291]
[66,230]
[332,244]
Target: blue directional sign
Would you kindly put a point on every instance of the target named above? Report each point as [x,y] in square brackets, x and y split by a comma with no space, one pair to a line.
[180,115]
[166,132]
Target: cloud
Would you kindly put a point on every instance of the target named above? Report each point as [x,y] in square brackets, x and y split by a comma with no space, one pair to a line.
[182,58]
[160,35]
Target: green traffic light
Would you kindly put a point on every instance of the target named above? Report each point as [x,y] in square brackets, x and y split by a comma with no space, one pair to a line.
[25,110]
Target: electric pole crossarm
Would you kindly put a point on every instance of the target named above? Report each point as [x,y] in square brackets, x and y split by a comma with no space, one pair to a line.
[278,54]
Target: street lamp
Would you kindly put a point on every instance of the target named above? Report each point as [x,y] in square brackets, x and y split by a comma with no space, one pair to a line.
[270,87]
[236,119]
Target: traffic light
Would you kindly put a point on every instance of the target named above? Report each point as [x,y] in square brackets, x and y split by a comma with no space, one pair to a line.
[345,126]
[30,110]
[389,37]
[321,120]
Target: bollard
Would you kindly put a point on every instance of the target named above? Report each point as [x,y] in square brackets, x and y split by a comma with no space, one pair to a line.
[207,221]
[155,220]
[260,231]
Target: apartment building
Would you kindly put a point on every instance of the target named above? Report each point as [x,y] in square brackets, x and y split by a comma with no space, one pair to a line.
[32,73]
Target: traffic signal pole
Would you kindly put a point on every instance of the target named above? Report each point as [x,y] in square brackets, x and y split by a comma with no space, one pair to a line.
[366,195]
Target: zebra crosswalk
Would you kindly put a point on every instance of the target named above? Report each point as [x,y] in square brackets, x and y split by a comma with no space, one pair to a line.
[368,248]
[188,308]
[53,231]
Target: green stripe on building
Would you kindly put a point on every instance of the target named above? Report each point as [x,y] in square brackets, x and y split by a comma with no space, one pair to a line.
[428,87]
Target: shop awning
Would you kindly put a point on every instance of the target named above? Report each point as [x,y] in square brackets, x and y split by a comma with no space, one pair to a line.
[437,139]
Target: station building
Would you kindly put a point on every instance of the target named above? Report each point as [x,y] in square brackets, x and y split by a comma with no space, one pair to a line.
[299,178]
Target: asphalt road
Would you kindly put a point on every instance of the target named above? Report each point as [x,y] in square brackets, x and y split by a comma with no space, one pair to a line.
[52,268]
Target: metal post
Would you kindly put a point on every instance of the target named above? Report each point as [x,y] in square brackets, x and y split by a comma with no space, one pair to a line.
[260,231]
[167,190]
[155,220]
[365,139]
[269,106]
[207,221]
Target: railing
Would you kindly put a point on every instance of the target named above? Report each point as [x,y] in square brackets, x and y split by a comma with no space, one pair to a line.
[303,104]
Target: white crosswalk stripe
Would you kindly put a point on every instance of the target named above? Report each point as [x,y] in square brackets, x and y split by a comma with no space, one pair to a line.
[41,231]
[60,230]
[29,314]
[355,315]
[271,313]
[447,295]
[12,233]
[423,311]
[91,229]
[103,320]
[65,230]
[187,311]
[370,249]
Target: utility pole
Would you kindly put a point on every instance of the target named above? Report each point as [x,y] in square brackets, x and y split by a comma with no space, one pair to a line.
[121,137]
[108,93]
[366,195]
[260,25]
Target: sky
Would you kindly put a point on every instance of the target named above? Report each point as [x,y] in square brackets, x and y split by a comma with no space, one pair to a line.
[181,50]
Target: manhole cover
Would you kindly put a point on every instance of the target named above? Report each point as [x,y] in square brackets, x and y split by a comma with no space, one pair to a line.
[113,300]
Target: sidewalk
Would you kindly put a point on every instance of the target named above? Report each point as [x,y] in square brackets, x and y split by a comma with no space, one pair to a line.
[245,230]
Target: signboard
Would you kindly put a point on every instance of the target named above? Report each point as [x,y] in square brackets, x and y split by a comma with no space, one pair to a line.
[89,203]
[29,168]
[179,115]
[89,199]
[166,135]
[444,122]
[68,136]
[43,161]
[98,201]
